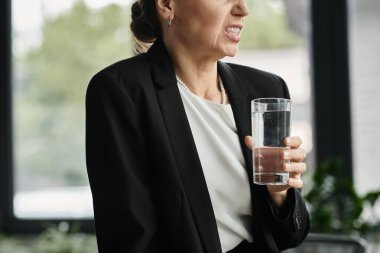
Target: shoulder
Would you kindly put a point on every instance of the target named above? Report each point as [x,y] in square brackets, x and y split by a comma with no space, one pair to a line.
[246,72]
[126,70]
[259,81]
[122,76]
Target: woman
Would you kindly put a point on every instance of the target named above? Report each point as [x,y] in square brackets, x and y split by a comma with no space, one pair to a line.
[168,145]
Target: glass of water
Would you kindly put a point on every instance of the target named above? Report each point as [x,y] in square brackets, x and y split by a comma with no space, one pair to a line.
[270,127]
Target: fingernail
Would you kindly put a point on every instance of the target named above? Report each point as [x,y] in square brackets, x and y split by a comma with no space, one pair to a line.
[288,141]
[286,155]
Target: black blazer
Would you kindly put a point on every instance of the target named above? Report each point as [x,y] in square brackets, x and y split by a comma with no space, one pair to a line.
[149,191]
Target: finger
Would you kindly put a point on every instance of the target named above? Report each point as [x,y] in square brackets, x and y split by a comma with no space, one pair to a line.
[297,155]
[293,141]
[295,182]
[298,168]
[248,141]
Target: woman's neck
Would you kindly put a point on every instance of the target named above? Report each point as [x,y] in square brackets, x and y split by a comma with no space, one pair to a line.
[199,74]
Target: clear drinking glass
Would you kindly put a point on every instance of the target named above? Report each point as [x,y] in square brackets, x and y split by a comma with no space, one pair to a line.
[270,126]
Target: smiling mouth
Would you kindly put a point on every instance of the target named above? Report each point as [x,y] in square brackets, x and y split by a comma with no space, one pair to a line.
[233,33]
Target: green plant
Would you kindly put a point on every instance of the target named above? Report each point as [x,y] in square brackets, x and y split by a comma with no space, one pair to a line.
[335,206]
[54,239]
[62,239]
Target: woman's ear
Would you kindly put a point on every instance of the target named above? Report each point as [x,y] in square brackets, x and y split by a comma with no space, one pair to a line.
[165,9]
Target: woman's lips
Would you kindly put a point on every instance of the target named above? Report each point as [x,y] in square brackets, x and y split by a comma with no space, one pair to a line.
[233,32]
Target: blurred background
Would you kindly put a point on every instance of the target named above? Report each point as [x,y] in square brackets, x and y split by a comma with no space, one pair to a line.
[328,54]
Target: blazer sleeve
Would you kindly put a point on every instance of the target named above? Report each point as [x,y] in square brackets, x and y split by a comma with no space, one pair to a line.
[118,170]
[289,224]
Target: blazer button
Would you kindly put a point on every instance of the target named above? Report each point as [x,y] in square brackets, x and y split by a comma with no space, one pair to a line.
[298,223]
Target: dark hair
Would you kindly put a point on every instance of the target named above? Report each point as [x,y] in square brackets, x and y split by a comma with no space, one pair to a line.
[145,25]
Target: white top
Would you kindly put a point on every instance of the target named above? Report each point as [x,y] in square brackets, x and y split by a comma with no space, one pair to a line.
[214,131]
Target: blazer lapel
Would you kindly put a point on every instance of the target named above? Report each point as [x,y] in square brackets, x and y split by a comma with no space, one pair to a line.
[183,145]
[241,107]
[240,100]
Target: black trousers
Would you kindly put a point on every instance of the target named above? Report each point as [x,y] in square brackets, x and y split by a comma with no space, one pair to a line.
[244,247]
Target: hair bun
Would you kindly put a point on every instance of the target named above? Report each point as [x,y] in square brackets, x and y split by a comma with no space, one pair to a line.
[145,25]
[136,10]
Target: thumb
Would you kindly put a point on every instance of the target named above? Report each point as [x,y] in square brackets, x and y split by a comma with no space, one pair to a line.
[248,141]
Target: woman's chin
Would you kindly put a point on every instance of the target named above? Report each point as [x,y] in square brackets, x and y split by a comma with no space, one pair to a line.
[231,52]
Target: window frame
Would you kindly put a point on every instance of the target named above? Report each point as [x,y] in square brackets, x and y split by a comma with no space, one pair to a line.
[9,223]
[330,80]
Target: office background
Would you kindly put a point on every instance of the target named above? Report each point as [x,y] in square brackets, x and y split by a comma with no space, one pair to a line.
[328,52]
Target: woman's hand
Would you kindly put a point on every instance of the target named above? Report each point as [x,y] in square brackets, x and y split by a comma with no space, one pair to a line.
[295,168]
